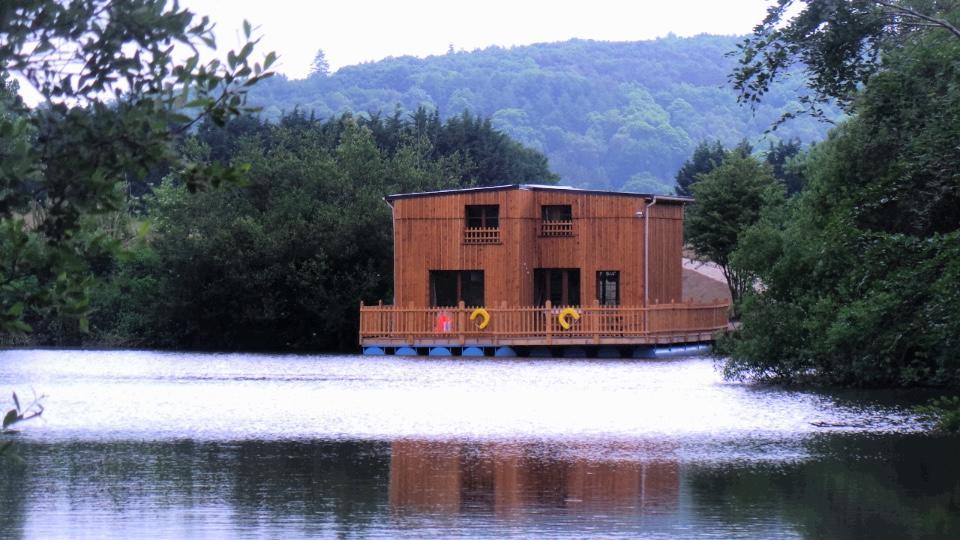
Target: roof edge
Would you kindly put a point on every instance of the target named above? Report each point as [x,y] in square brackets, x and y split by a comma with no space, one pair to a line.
[536,187]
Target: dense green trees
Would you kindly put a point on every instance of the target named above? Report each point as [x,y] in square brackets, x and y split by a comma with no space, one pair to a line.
[859,275]
[607,115]
[785,159]
[839,43]
[705,158]
[485,155]
[282,262]
[115,78]
[729,199]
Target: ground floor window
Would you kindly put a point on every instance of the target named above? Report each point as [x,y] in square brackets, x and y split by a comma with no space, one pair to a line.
[608,287]
[559,285]
[449,287]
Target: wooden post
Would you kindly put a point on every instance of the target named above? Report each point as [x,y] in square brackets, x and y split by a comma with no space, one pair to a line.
[408,316]
[497,332]
[548,307]
[461,320]
[594,326]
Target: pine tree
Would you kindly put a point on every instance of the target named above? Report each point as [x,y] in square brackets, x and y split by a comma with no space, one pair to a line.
[778,157]
[320,67]
[706,157]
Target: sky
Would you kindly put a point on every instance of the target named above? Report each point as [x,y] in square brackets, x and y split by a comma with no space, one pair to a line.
[355,31]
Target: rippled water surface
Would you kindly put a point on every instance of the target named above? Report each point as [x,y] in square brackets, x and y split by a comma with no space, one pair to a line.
[161,444]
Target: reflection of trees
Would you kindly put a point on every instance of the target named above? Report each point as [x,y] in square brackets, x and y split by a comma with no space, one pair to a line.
[320,485]
[13,495]
[340,482]
[865,486]
[465,477]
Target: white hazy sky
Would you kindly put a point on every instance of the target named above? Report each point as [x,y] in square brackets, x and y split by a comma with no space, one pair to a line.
[354,31]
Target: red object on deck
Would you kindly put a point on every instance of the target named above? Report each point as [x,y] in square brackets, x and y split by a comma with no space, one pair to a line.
[443,322]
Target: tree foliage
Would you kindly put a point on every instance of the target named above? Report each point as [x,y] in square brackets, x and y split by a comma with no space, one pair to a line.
[785,162]
[784,159]
[486,156]
[705,158]
[114,101]
[320,67]
[729,199]
[282,262]
[860,273]
[607,115]
[839,43]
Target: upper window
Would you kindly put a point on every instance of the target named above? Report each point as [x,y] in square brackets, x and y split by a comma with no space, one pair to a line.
[483,216]
[556,220]
[556,212]
[483,224]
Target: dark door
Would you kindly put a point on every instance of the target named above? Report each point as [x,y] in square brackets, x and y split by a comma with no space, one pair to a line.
[449,287]
[608,287]
[559,285]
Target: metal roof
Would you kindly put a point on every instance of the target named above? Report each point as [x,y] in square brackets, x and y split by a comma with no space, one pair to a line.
[536,187]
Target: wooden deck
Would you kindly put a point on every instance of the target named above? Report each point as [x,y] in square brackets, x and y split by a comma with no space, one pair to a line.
[386,325]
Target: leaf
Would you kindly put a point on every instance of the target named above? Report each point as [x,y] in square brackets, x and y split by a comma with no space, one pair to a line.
[16,401]
[269,60]
[245,52]
[10,418]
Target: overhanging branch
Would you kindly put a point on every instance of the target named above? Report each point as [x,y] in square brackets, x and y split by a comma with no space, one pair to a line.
[910,12]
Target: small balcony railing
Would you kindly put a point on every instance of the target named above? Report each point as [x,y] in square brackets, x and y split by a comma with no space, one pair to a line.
[556,228]
[481,235]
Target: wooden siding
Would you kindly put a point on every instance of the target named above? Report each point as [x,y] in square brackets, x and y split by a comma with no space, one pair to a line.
[666,263]
[429,235]
[607,234]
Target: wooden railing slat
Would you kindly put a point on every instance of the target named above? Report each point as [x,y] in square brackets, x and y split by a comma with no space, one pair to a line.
[556,228]
[481,235]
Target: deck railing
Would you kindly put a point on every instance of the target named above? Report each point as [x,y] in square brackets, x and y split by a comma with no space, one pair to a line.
[556,228]
[541,325]
[481,235]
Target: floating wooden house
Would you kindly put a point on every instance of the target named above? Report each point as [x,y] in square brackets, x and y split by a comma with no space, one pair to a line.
[538,270]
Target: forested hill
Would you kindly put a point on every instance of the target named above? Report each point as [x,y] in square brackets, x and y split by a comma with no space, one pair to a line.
[608,115]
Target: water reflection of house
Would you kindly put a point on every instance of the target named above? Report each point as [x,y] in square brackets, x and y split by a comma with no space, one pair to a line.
[456,477]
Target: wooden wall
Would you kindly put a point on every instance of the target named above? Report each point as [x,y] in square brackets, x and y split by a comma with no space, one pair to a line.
[666,245]
[608,235]
[428,235]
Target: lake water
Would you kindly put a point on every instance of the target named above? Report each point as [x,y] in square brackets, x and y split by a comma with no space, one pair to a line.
[143,444]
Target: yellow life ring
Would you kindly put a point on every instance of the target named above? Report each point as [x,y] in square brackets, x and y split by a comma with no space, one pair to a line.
[563,317]
[482,313]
